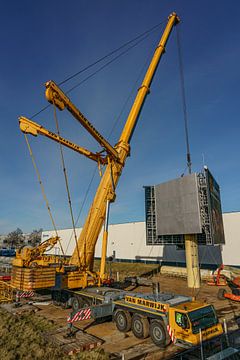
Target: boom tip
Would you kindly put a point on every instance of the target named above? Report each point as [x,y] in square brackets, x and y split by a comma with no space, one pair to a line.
[177,18]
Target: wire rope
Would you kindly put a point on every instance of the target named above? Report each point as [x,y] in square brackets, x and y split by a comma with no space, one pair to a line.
[111,53]
[66,182]
[146,33]
[105,65]
[109,135]
[142,37]
[83,203]
[183,94]
[195,292]
[42,189]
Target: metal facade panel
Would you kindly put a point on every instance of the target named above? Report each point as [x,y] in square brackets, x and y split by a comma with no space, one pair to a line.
[177,206]
[214,201]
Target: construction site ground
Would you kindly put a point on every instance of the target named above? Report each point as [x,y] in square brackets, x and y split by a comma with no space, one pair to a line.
[117,344]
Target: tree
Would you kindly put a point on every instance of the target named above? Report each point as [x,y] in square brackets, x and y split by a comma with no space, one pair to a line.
[15,238]
[34,238]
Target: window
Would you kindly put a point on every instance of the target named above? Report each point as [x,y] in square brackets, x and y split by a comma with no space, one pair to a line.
[181,320]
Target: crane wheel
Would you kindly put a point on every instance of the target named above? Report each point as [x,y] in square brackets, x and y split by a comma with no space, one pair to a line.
[140,326]
[221,293]
[78,302]
[75,302]
[158,334]
[122,319]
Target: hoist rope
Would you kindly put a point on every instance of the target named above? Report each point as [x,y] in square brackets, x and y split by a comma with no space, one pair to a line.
[195,292]
[108,137]
[144,35]
[183,93]
[42,189]
[83,203]
[66,182]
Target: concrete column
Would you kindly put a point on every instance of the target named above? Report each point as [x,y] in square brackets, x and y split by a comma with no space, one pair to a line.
[191,250]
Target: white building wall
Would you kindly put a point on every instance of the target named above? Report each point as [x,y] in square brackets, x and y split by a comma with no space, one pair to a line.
[231,249]
[128,241]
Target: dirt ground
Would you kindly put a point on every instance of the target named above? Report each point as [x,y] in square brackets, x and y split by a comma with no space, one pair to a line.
[117,344]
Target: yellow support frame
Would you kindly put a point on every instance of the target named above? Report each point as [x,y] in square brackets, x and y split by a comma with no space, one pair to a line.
[30,127]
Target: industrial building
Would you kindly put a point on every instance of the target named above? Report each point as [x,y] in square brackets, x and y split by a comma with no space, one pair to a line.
[127,242]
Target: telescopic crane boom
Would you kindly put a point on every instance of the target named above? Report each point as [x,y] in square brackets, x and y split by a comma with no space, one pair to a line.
[107,186]
[79,271]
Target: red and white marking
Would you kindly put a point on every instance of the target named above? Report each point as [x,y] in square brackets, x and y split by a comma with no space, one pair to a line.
[26,294]
[83,314]
[171,333]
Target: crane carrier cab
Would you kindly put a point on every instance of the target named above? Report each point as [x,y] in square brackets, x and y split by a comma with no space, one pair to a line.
[165,317]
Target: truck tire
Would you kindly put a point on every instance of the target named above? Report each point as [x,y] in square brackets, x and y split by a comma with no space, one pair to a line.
[75,302]
[158,334]
[140,326]
[122,319]
[79,302]
[221,293]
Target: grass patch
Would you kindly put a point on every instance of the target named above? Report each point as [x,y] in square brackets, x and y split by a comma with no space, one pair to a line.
[21,339]
[127,269]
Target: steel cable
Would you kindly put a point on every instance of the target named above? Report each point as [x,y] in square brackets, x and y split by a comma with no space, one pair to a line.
[42,189]
[108,137]
[146,33]
[66,183]
[183,93]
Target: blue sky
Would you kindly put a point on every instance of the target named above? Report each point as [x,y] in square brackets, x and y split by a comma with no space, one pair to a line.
[54,39]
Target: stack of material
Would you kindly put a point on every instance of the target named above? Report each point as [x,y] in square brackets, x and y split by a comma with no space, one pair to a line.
[72,345]
[7,292]
[32,278]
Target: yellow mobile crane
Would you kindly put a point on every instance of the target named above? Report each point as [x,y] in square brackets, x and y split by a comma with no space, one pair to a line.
[165,317]
[78,271]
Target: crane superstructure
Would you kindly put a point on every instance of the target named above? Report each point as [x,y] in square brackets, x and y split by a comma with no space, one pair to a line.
[78,271]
